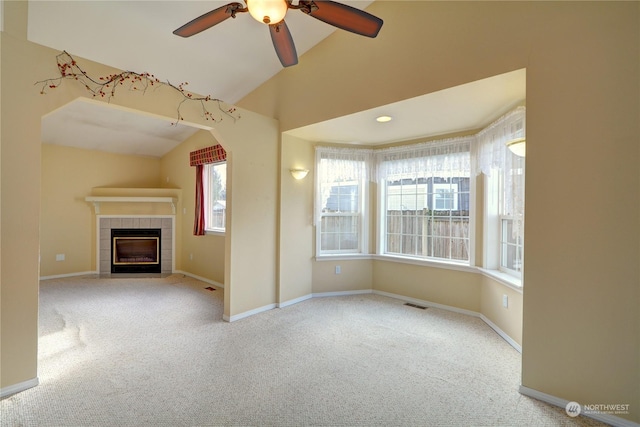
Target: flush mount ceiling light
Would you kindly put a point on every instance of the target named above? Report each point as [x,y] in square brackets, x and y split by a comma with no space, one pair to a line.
[518,146]
[299,173]
[383,119]
[272,13]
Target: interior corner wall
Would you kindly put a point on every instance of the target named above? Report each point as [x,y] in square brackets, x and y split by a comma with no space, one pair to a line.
[581,323]
[202,256]
[509,318]
[67,221]
[452,288]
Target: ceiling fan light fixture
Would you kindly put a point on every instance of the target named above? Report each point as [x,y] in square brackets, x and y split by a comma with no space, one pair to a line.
[267,11]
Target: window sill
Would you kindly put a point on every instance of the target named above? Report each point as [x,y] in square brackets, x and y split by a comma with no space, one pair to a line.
[214,233]
[503,278]
[427,263]
[335,257]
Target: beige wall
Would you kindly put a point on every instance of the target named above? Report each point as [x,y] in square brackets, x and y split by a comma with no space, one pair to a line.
[355,275]
[581,326]
[509,318]
[202,256]
[439,285]
[67,221]
[296,220]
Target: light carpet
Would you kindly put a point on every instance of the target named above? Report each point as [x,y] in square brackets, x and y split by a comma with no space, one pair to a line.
[155,352]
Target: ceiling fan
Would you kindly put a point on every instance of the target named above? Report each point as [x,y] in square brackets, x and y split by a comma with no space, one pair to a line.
[272,12]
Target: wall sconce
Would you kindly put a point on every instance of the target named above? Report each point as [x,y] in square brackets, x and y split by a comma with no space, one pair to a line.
[518,146]
[299,173]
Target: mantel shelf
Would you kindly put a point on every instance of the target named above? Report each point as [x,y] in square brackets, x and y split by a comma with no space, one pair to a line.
[96,200]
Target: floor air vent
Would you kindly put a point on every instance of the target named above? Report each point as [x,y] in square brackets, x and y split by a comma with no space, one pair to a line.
[415,305]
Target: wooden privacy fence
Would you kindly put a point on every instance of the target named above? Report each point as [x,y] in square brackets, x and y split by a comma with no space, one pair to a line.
[439,234]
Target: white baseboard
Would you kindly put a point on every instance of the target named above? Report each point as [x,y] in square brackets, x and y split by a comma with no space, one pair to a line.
[202,279]
[248,313]
[562,403]
[294,301]
[428,303]
[60,276]
[341,293]
[481,316]
[502,333]
[17,388]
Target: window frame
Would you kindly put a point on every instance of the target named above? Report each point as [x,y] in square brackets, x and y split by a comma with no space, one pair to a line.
[429,182]
[362,214]
[209,201]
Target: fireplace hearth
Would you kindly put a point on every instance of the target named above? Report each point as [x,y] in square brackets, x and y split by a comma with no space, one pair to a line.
[136,250]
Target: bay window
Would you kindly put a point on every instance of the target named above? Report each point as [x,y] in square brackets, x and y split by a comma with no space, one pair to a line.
[425,203]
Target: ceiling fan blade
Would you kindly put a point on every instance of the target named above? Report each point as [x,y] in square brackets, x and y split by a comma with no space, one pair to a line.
[343,16]
[209,19]
[283,43]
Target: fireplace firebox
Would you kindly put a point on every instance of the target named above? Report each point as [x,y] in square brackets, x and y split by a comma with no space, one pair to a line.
[135,250]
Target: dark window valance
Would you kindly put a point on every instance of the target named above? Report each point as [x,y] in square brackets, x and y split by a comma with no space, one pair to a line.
[213,154]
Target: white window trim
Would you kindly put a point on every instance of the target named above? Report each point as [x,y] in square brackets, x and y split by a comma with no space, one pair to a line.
[214,231]
[363,234]
[428,261]
[504,278]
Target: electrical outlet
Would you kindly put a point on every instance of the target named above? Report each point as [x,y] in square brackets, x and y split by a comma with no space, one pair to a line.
[190,257]
[338,269]
[505,301]
[59,257]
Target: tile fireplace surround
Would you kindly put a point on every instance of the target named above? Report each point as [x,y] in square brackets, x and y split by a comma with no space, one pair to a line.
[106,223]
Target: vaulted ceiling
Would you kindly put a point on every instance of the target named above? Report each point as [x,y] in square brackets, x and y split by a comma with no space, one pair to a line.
[226,61]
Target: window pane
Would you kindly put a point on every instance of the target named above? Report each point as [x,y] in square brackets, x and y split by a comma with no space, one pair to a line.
[339,198]
[409,244]
[215,196]
[440,247]
[511,252]
[343,197]
[340,233]
[329,241]
[428,216]
[459,249]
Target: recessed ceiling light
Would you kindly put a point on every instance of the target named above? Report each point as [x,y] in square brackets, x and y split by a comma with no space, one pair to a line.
[383,119]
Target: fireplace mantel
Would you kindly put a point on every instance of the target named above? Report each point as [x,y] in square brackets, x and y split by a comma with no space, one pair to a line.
[97,200]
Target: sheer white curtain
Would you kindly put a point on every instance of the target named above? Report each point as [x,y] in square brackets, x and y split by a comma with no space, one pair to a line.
[338,165]
[494,157]
[444,158]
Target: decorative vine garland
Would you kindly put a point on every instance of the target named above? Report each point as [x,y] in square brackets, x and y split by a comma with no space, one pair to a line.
[105,87]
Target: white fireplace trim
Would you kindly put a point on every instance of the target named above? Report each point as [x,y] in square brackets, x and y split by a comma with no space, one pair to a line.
[96,200]
[173,236]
